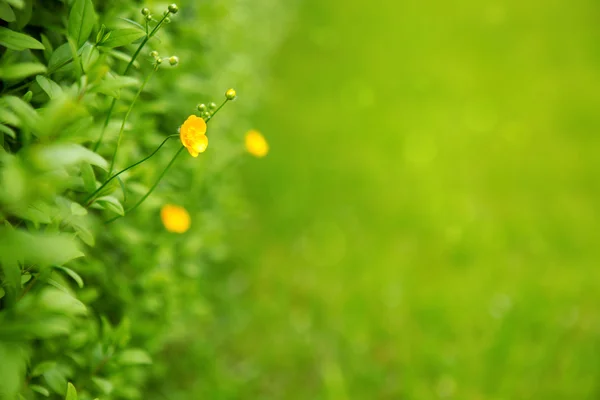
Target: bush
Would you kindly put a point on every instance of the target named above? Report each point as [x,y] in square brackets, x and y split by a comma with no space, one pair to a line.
[97,298]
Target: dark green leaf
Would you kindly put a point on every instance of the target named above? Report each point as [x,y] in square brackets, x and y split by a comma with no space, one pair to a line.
[6,13]
[18,41]
[60,57]
[51,88]
[8,131]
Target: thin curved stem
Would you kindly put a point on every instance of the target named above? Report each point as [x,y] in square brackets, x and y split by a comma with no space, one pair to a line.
[114,156]
[217,110]
[140,201]
[137,52]
[91,197]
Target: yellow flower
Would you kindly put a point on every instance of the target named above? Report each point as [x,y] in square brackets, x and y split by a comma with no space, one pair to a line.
[256,144]
[193,135]
[174,218]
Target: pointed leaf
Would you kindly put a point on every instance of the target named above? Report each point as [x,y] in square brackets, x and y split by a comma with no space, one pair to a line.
[74,275]
[6,13]
[51,88]
[71,392]
[20,71]
[18,41]
[112,204]
[121,37]
[81,21]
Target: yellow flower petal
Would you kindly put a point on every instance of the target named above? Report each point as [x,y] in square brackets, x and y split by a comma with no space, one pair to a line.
[175,218]
[256,144]
[193,135]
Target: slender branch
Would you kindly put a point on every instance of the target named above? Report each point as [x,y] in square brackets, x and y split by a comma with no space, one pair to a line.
[137,52]
[140,201]
[114,156]
[91,197]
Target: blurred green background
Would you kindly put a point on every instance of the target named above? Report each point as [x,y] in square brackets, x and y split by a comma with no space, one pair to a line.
[426,223]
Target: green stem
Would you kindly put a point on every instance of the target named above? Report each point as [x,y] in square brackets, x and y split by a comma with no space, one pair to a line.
[140,201]
[114,156]
[137,52]
[92,196]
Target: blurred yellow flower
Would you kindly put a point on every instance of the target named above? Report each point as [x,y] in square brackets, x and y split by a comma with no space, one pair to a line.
[193,135]
[256,144]
[175,218]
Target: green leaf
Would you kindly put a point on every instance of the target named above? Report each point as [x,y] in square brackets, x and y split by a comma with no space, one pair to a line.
[51,88]
[62,155]
[134,357]
[61,301]
[100,33]
[112,204]
[72,274]
[43,249]
[6,13]
[71,392]
[81,21]
[16,3]
[47,47]
[8,131]
[56,379]
[89,56]
[89,179]
[20,71]
[132,22]
[12,369]
[60,58]
[26,114]
[121,37]
[43,367]
[18,41]
[40,389]
[105,386]
[111,86]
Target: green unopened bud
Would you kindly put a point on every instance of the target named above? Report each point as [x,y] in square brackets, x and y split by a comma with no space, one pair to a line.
[159,60]
[154,53]
[212,106]
[145,11]
[174,60]
[148,17]
[173,8]
[167,20]
[230,94]
[201,107]
[206,115]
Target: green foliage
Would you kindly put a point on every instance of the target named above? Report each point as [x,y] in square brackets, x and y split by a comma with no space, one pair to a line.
[89,309]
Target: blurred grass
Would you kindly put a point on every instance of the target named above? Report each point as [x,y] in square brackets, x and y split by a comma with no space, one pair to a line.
[426,224]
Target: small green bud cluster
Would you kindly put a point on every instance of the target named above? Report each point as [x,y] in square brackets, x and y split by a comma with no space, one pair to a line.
[207,112]
[172,9]
[173,60]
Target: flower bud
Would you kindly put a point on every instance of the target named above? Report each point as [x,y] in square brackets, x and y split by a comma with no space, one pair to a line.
[201,107]
[174,60]
[145,11]
[173,8]
[167,20]
[212,106]
[230,94]
[159,60]
[206,115]
[154,53]
[148,17]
